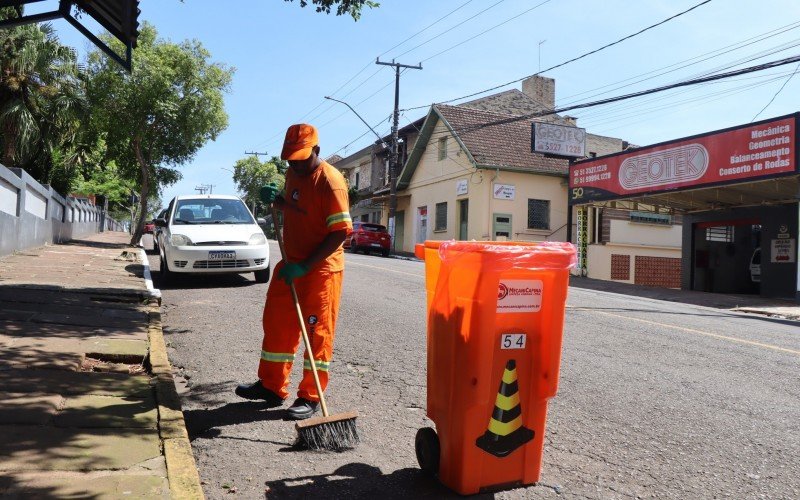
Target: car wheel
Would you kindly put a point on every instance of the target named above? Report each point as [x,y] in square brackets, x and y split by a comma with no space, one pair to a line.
[262,276]
[166,275]
[385,253]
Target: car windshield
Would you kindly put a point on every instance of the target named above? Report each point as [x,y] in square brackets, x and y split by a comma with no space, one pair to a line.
[211,211]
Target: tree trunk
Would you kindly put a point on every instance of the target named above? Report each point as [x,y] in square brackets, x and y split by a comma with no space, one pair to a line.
[145,169]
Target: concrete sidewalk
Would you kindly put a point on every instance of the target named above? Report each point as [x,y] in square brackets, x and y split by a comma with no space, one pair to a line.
[88,407]
[751,304]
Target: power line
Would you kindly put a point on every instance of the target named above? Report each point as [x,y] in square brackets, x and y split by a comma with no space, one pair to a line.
[364,68]
[696,60]
[487,30]
[776,93]
[425,28]
[458,25]
[586,54]
[685,83]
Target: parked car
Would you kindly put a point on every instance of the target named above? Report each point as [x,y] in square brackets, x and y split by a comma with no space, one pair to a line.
[755,266]
[368,238]
[211,234]
[157,230]
[149,227]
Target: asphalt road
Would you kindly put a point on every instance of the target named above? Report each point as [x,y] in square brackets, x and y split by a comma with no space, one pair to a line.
[656,399]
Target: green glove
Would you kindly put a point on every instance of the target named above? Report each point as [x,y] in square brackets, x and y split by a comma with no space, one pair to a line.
[269,192]
[291,271]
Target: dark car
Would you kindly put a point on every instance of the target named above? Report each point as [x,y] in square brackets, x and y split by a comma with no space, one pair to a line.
[368,238]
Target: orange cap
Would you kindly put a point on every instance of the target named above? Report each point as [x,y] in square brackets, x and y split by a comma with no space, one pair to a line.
[300,140]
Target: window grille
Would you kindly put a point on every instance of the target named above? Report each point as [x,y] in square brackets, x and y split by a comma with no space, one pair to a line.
[723,234]
[538,214]
[441,217]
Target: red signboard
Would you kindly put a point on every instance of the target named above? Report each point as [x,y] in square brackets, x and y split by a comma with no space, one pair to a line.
[747,153]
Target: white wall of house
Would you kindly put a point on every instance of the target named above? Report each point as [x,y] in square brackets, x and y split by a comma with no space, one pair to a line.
[442,180]
[649,235]
[538,187]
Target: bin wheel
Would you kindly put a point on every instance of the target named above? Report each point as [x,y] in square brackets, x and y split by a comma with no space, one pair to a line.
[427,448]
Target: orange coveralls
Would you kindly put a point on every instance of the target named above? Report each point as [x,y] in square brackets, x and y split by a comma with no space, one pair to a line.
[314,206]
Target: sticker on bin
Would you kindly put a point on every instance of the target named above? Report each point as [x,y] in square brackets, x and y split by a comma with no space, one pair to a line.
[515,296]
[512,341]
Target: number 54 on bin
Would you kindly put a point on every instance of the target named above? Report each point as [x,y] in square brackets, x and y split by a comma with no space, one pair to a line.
[512,341]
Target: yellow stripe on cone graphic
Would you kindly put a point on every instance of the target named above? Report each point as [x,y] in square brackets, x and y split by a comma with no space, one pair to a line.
[505,432]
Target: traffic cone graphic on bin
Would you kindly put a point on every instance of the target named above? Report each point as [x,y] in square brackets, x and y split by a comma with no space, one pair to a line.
[505,432]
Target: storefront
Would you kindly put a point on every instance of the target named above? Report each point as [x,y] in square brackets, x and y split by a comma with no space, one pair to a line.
[736,190]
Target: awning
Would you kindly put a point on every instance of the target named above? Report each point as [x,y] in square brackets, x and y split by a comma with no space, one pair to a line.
[756,193]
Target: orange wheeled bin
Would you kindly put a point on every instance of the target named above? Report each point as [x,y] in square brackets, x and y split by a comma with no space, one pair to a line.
[495,321]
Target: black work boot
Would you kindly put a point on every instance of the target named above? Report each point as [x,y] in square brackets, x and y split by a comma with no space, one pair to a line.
[302,409]
[258,391]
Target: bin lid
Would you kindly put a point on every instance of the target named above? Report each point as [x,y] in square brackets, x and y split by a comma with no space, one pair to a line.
[511,254]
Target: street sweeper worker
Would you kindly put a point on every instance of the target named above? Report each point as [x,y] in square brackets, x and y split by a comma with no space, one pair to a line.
[316,221]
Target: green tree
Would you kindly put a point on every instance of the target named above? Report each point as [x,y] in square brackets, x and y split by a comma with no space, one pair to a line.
[157,117]
[350,7]
[42,102]
[250,174]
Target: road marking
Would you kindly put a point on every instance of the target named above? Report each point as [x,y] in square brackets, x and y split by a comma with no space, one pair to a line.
[699,332]
[384,269]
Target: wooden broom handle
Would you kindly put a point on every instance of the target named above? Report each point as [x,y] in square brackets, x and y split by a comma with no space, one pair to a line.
[300,316]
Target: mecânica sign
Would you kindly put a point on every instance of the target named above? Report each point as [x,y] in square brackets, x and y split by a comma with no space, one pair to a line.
[756,151]
[558,139]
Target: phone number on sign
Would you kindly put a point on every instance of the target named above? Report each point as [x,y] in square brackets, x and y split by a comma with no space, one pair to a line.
[557,147]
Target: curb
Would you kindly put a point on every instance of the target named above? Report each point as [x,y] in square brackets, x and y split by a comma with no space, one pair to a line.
[182,474]
[153,293]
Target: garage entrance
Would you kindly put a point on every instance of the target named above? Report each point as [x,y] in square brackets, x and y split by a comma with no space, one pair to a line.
[726,256]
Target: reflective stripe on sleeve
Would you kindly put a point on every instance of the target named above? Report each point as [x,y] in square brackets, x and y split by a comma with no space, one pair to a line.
[337,218]
[277,357]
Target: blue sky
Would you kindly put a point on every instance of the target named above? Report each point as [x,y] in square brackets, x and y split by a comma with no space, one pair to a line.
[288,58]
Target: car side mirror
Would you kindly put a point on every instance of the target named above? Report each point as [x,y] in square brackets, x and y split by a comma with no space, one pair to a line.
[160,222]
[261,221]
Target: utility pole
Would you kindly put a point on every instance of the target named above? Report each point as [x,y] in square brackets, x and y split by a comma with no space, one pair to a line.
[393,160]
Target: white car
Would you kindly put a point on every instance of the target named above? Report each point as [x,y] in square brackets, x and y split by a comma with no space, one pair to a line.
[755,266]
[210,234]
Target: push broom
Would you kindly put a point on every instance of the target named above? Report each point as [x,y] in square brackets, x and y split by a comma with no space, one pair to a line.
[328,432]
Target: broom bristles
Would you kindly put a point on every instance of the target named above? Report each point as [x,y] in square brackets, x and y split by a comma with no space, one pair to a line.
[333,433]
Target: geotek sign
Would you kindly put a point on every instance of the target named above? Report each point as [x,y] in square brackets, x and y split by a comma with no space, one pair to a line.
[746,153]
[558,140]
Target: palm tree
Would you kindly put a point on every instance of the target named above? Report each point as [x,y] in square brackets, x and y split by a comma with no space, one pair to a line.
[39,95]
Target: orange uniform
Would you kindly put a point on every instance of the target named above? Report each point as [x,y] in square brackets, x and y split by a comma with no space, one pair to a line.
[315,206]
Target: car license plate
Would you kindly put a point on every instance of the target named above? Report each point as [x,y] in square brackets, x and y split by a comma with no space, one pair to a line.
[376,244]
[220,255]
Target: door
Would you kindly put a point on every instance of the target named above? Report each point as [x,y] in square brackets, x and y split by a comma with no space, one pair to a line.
[422,224]
[399,230]
[501,227]
[463,211]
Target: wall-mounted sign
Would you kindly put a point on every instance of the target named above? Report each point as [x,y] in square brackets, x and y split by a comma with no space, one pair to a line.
[783,251]
[462,187]
[503,191]
[727,157]
[558,140]
[582,237]
[783,232]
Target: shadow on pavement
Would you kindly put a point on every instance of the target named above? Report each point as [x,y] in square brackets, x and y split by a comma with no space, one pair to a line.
[199,422]
[358,480]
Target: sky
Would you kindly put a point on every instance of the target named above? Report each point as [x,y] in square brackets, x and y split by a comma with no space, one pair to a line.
[288,58]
